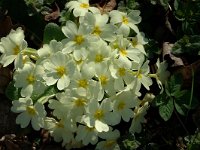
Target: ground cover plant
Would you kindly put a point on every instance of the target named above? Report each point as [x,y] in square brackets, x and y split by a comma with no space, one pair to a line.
[99,74]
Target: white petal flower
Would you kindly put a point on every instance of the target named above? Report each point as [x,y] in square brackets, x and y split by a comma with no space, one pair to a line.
[12,46]
[110,142]
[122,106]
[119,71]
[126,52]
[126,21]
[29,79]
[138,118]
[96,115]
[97,71]
[141,76]
[87,135]
[29,113]
[100,55]
[60,130]
[84,84]
[58,69]
[139,41]
[105,80]
[100,26]
[81,7]
[77,40]
[162,74]
[70,103]
[60,107]
[48,49]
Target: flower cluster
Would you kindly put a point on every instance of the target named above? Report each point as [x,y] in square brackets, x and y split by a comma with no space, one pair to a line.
[98,71]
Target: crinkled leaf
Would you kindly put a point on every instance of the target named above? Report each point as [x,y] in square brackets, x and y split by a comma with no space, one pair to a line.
[52,31]
[48,92]
[12,92]
[180,109]
[166,110]
[160,99]
[128,141]
[176,4]
[188,44]
[177,92]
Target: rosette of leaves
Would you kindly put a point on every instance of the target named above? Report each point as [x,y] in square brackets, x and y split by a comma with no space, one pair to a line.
[128,142]
[193,141]
[189,45]
[36,5]
[164,3]
[174,98]
[127,5]
[188,12]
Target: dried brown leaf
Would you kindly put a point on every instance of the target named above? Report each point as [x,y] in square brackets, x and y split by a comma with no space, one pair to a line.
[53,15]
[169,57]
[108,6]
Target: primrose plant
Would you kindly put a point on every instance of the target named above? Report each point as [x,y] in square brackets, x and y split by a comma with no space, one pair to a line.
[81,87]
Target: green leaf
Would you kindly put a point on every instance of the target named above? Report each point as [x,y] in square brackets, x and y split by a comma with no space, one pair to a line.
[185,100]
[178,92]
[188,44]
[132,4]
[176,4]
[12,92]
[160,99]
[52,31]
[180,109]
[167,92]
[128,142]
[164,3]
[49,92]
[166,110]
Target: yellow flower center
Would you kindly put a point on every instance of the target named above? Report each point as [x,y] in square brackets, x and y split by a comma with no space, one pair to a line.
[96,30]
[79,39]
[80,102]
[16,50]
[139,74]
[98,58]
[84,5]
[59,125]
[103,79]
[121,106]
[30,79]
[25,58]
[121,71]
[78,62]
[109,143]
[99,114]
[83,83]
[60,70]
[90,129]
[123,52]
[134,42]
[31,110]
[125,20]
[115,45]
